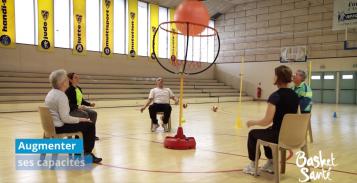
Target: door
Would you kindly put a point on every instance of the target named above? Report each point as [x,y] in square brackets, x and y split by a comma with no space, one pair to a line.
[329,87]
[316,86]
[347,92]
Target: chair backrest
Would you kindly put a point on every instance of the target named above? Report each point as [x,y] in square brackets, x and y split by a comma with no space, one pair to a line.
[293,130]
[47,121]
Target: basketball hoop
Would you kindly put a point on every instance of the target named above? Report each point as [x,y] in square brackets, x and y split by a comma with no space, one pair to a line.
[293,54]
[180,141]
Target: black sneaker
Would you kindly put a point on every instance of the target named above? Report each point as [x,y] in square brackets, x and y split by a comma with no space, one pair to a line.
[96,159]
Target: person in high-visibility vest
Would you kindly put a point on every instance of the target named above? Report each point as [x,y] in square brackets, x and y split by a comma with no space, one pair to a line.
[303,90]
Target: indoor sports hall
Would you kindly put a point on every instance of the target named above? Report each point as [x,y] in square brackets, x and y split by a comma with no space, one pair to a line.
[251,91]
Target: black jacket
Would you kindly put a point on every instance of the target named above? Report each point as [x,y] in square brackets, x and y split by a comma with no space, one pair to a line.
[72,98]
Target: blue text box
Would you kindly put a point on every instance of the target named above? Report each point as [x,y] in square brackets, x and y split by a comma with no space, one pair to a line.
[38,146]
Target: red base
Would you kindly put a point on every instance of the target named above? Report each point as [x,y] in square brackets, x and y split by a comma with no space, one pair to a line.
[180,141]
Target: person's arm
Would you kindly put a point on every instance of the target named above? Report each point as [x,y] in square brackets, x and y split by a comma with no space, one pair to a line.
[146,105]
[172,96]
[268,118]
[150,99]
[72,99]
[63,110]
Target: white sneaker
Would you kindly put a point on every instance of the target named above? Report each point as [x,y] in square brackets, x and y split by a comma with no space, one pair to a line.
[166,127]
[154,127]
[268,167]
[250,169]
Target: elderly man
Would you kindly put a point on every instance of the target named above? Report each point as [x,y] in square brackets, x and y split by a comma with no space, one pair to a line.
[303,91]
[160,97]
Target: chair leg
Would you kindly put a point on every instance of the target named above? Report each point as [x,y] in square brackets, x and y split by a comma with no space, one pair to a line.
[276,158]
[283,160]
[257,157]
[70,155]
[43,155]
[304,149]
[310,132]
[169,125]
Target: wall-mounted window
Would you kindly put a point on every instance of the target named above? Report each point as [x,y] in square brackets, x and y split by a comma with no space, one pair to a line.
[62,23]
[93,25]
[142,28]
[163,35]
[119,26]
[328,77]
[25,21]
[347,76]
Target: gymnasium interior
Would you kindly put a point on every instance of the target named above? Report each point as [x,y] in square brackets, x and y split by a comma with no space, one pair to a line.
[222,76]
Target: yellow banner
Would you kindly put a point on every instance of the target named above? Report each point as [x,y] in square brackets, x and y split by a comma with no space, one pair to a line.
[154,23]
[108,27]
[79,27]
[173,39]
[45,25]
[7,22]
[133,27]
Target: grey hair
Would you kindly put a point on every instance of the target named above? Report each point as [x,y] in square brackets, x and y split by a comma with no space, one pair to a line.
[157,79]
[57,77]
[302,74]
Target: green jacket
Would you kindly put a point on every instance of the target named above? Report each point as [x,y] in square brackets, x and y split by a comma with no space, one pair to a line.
[304,93]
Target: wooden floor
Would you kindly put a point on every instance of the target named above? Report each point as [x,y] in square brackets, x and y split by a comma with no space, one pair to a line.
[131,153]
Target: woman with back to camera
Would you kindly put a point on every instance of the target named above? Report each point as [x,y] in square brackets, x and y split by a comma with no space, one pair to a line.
[281,102]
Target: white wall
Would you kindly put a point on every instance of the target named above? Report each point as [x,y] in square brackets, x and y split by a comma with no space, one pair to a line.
[26,58]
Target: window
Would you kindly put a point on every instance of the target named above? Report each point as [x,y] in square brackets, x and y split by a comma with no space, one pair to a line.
[163,35]
[211,53]
[189,50]
[329,77]
[93,25]
[62,23]
[315,77]
[196,48]
[143,29]
[25,21]
[199,48]
[349,76]
[204,47]
[119,26]
[180,47]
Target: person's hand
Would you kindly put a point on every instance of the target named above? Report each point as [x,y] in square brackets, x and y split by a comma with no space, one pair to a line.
[84,120]
[176,102]
[142,109]
[250,123]
[82,107]
[92,104]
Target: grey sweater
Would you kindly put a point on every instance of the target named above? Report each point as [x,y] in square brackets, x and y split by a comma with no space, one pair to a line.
[57,102]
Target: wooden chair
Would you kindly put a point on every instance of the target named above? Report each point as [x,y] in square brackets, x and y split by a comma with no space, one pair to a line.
[49,128]
[161,116]
[292,135]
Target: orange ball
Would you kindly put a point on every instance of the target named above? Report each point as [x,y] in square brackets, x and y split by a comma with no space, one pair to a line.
[192,11]
[184,106]
[214,108]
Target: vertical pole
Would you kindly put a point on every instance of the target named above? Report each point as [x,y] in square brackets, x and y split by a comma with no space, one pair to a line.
[310,70]
[337,87]
[241,85]
[180,101]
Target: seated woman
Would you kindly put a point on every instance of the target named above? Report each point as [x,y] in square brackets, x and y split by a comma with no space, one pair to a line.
[281,102]
[57,102]
[77,104]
